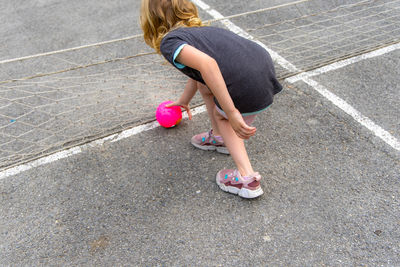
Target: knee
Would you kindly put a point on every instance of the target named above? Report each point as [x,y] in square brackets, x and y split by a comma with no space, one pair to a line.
[204,91]
[217,115]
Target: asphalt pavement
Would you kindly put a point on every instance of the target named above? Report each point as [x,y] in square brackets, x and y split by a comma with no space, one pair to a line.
[331,186]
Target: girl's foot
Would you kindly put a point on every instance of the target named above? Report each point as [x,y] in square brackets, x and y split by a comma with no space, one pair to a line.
[247,187]
[207,141]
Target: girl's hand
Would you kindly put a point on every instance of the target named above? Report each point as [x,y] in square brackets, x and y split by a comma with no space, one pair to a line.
[183,105]
[239,125]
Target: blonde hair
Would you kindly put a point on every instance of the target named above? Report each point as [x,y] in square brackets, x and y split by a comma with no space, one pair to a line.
[158,17]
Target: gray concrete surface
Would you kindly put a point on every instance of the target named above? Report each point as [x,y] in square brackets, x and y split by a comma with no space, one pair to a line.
[151,200]
[372,90]
[32,27]
[331,186]
[42,26]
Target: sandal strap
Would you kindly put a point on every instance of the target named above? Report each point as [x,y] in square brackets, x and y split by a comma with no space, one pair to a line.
[236,178]
[254,177]
[209,138]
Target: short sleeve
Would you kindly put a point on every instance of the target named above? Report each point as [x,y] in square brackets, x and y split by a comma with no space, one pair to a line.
[170,47]
[176,53]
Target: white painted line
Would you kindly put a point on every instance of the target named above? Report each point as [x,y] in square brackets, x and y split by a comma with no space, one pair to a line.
[205,7]
[265,9]
[343,63]
[232,27]
[78,149]
[202,5]
[135,130]
[152,125]
[363,120]
[69,49]
[42,161]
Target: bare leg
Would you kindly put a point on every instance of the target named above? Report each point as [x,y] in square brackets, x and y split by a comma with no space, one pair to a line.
[221,126]
[208,98]
[234,144]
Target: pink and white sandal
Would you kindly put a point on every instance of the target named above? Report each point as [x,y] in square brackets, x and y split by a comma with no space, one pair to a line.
[247,187]
[207,141]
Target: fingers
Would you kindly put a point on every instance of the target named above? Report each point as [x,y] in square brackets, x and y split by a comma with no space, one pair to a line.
[245,131]
[186,107]
[248,128]
[189,113]
[239,125]
[244,134]
[171,105]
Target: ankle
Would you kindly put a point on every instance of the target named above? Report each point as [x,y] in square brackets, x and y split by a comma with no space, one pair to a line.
[247,173]
[216,136]
[215,133]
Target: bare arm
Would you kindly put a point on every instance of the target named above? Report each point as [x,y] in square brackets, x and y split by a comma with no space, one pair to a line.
[187,95]
[212,76]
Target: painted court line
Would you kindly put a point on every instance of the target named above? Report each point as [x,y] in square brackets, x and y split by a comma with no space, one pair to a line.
[232,27]
[357,116]
[343,63]
[305,77]
[151,125]
[79,149]
[337,101]
[69,49]
[42,161]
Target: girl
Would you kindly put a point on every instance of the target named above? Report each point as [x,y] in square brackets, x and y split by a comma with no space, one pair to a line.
[235,77]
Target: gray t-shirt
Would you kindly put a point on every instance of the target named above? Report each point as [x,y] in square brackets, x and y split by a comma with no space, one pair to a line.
[246,67]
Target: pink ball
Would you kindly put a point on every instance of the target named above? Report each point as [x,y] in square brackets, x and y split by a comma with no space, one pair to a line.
[168,117]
